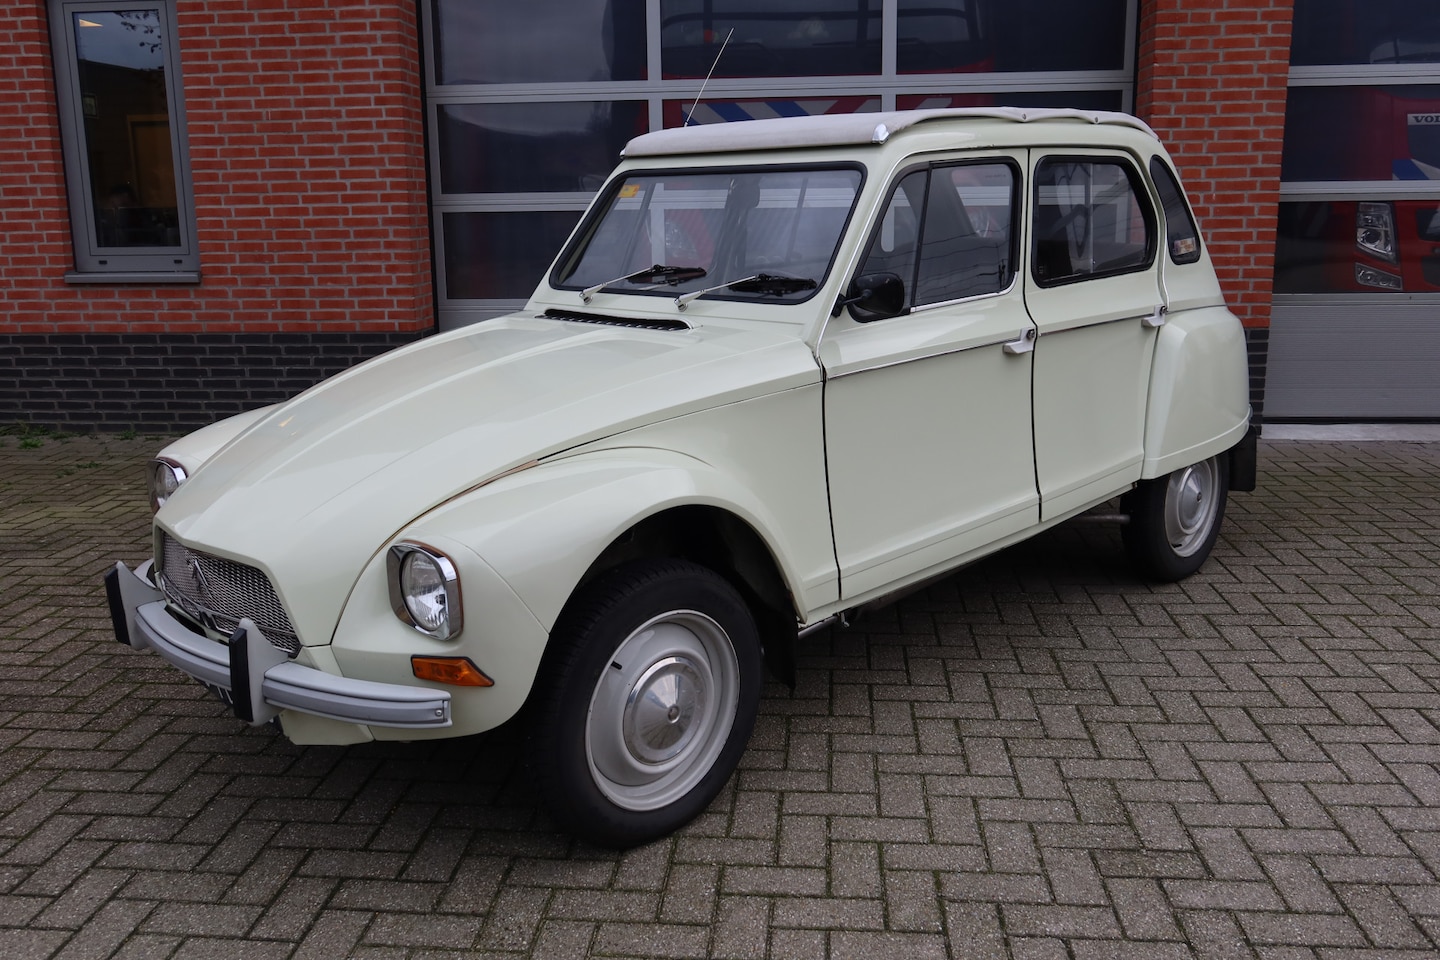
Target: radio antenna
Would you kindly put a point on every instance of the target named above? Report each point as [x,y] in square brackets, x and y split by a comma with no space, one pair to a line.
[690,118]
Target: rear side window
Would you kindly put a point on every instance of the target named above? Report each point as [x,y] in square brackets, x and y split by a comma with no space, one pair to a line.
[1182,237]
[947,232]
[1091,220]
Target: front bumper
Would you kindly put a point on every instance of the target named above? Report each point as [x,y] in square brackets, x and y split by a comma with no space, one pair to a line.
[256,678]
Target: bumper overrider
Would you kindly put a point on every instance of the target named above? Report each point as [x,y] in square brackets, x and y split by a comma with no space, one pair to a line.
[258,679]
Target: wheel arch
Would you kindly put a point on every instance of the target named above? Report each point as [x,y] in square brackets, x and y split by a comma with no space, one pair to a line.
[719,539]
[549,530]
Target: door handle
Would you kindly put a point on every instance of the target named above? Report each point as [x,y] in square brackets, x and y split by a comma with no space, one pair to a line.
[1024,344]
[1157,318]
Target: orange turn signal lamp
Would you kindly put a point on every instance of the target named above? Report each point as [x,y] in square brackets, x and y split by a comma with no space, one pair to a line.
[456,671]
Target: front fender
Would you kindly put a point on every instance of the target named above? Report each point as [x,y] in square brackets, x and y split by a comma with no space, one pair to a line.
[192,450]
[540,529]
[1199,390]
[521,544]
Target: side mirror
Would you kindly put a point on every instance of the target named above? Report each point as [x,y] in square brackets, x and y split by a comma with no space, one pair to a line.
[873,296]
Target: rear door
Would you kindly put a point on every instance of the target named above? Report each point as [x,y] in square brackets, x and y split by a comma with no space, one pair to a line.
[1095,296]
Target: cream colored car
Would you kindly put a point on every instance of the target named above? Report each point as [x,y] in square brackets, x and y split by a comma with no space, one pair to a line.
[782,370]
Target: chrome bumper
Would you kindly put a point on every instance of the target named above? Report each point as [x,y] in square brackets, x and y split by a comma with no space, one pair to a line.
[256,678]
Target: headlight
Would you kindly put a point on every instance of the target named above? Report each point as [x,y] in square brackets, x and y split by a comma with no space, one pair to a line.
[165,478]
[1369,276]
[1375,230]
[424,589]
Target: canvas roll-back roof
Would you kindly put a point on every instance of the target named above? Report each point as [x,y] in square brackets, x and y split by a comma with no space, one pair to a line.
[847,129]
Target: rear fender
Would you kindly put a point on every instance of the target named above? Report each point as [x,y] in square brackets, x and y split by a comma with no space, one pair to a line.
[1199,390]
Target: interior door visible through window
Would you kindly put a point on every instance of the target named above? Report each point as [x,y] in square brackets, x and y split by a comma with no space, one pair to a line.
[927,412]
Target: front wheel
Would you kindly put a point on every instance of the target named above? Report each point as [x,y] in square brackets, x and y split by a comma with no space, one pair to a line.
[1175,519]
[646,701]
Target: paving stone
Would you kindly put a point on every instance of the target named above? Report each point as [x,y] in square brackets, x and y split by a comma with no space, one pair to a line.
[1037,758]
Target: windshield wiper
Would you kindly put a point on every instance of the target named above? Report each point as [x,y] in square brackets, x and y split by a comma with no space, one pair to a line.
[770,283]
[660,274]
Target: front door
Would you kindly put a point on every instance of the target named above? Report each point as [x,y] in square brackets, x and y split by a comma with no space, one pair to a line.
[927,413]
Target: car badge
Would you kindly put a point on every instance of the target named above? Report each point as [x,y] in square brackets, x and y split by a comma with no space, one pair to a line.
[197,576]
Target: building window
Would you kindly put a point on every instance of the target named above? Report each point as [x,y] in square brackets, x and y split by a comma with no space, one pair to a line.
[122,129]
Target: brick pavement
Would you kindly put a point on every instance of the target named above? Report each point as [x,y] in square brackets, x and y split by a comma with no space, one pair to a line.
[1038,758]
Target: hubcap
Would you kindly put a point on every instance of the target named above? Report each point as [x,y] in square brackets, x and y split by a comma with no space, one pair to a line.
[662,710]
[1190,505]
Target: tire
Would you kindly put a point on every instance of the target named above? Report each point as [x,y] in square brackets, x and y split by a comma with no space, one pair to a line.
[1175,519]
[648,695]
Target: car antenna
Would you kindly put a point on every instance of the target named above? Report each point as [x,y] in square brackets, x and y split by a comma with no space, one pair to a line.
[690,117]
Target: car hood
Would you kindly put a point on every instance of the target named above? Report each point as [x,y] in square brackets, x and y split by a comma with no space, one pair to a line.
[313,489]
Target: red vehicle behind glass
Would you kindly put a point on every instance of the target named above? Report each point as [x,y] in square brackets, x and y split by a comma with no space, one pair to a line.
[1375,133]
[1397,242]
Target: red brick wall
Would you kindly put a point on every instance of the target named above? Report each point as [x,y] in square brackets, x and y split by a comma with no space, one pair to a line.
[1212,82]
[307,149]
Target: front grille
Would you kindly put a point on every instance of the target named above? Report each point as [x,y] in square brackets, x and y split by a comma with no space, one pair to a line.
[217,592]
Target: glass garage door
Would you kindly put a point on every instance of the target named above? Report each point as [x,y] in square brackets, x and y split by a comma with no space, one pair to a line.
[529,104]
[1355,326]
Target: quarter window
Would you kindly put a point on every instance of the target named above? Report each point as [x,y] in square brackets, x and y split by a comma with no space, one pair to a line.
[122,131]
[1090,221]
[1182,238]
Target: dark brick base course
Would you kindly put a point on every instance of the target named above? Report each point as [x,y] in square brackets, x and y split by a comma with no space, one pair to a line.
[166,382]
[159,382]
[1257,346]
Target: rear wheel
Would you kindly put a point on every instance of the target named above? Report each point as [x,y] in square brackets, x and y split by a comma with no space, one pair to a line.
[1175,519]
[648,698]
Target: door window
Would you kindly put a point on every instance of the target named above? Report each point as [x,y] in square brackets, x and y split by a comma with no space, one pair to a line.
[1090,221]
[947,232]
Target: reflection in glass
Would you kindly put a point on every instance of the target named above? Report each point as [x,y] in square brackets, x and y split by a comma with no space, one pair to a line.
[772,38]
[944,36]
[499,256]
[1364,31]
[733,225]
[538,41]
[896,242]
[1074,99]
[1362,133]
[533,147]
[679,113]
[1089,221]
[965,250]
[1358,246]
[131,164]
[978,36]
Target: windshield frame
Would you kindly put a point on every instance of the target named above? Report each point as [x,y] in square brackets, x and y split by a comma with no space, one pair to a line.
[569,260]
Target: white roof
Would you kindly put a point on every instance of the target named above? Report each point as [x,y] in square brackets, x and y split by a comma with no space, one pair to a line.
[843,129]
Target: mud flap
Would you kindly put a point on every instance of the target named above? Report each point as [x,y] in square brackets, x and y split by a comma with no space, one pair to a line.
[1243,461]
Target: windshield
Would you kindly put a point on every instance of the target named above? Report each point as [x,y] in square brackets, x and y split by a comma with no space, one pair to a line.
[713,234]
